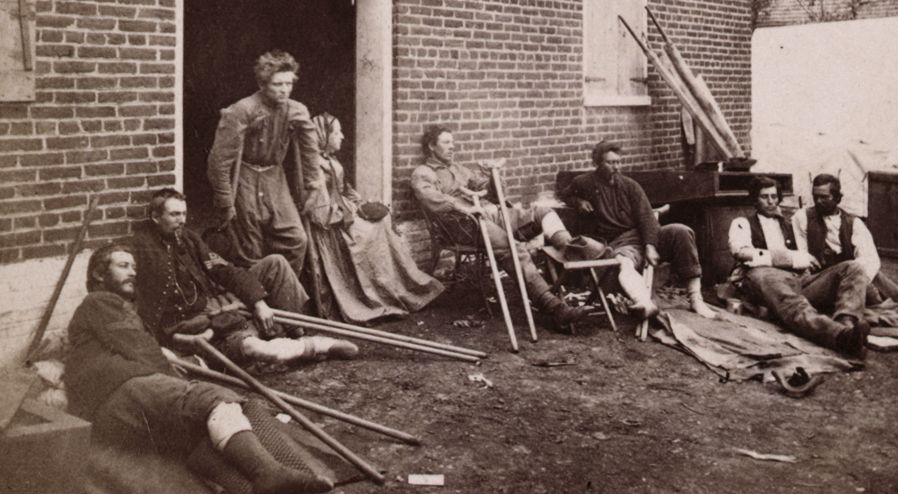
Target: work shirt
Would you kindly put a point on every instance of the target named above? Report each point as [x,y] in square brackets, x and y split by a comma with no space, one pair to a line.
[260,134]
[740,234]
[864,248]
[619,206]
[438,185]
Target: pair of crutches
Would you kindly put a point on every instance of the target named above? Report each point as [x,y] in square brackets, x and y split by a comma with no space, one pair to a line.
[519,274]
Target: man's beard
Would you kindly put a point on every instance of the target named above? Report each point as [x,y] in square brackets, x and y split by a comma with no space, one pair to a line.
[119,288]
[827,208]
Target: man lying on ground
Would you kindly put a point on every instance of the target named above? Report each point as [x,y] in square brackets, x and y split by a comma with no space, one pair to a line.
[118,378]
[440,186]
[832,235]
[182,284]
[792,283]
[622,215]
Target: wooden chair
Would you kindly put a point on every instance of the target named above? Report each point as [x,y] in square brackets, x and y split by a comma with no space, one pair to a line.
[464,241]
[559,267]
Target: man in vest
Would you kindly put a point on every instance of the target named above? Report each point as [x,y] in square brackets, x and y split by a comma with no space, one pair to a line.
[832,235]
[791,283]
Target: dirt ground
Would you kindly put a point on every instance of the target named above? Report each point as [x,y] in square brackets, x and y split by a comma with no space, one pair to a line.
[627,416]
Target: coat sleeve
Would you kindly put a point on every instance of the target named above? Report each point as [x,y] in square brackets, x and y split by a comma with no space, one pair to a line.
[646,222]
[424,186]
[239,281]
[226,150]
[311,188]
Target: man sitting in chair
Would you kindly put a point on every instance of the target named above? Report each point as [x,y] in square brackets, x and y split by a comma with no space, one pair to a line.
[443,187]
[791,282]
[622,215]
[183,286]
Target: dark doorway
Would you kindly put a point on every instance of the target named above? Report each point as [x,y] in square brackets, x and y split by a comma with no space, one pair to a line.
[223,40]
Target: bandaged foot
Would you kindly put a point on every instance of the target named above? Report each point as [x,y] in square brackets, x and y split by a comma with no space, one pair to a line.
[321,347]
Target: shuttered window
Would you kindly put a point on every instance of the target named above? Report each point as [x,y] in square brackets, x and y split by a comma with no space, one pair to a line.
[16,50]
[614,68]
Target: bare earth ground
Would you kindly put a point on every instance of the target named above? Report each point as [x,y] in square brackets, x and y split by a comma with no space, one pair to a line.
[627,417]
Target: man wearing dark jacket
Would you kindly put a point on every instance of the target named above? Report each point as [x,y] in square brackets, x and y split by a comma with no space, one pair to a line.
[118,378]
[185,287]
[621,214]
[791,283]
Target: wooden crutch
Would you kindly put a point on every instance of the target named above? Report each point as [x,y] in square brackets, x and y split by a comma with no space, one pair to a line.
[267,392]
[518,272]
[210,374]
[475,196]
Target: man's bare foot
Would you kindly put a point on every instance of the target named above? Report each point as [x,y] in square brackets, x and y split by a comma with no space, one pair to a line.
[701,308]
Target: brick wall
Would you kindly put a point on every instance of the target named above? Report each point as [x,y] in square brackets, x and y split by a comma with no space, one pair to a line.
[788,12]
[102,123]
[507,76]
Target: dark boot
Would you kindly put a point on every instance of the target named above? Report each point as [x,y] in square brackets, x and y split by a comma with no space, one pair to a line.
[267,475]
[561,313]
[852,341]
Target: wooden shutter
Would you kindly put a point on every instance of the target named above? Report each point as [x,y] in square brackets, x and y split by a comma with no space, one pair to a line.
[614,69]
[16,50]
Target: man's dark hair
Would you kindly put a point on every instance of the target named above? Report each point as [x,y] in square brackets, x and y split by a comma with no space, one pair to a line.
[835,185]
[431,135]
[157,202]
[761,182]
[272,62]
[99,263]
[602,148]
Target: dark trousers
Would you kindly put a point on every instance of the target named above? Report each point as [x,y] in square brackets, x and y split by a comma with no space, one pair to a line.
[801,301]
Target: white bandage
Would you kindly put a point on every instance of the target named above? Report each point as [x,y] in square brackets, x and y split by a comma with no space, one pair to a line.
[552,224]
[225,420]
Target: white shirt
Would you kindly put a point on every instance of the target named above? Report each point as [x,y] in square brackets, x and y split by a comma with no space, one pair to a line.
[864,248]
[776,253]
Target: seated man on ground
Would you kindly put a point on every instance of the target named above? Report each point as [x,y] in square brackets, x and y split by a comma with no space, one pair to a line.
[791,282]
[119,379]
[622,216]
[182,282]
[443,187]
[832,235]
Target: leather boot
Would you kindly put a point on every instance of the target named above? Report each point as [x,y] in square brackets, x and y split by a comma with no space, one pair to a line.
[562,314]
[265,473]
[852,341]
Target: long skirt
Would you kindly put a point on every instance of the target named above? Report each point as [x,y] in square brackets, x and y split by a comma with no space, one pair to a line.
[367,272]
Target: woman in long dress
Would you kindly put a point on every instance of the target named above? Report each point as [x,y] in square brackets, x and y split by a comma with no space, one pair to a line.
[362,269]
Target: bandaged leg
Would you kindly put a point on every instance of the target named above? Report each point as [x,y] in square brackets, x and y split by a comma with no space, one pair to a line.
[225,420]
[555,231]
[696,301]
[305,348]
[634,286]
[232,435]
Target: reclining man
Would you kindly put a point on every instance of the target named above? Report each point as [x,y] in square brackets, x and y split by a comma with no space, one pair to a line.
[623,216]
[832,235]
[182,284]
[791,282]
[440,185]
[119,379]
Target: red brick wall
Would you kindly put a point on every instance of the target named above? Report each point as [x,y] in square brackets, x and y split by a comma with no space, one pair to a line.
[507,76]
[788,12]
[102,123]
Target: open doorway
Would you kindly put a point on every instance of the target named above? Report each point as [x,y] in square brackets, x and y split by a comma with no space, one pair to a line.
[223,40]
